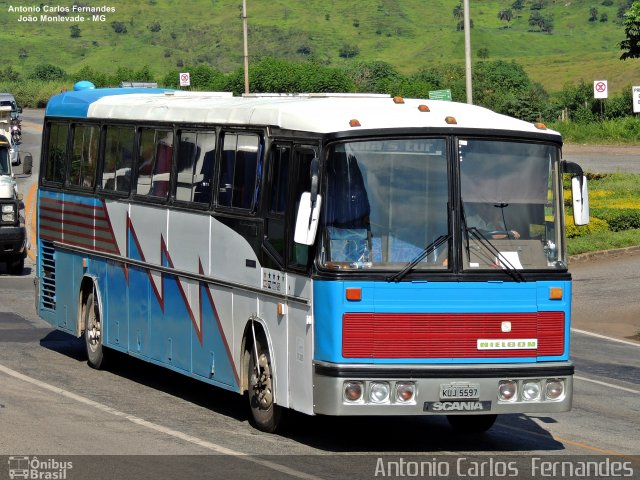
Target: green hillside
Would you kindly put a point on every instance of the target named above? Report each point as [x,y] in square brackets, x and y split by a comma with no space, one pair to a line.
[409,34]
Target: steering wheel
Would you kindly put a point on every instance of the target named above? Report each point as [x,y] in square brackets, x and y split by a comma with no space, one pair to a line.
[500,233]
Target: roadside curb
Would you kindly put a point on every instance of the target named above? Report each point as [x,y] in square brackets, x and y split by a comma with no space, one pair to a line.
[582,257]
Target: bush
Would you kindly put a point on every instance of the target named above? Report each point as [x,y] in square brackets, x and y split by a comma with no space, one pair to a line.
[595,225]
[47,73]
[619,219]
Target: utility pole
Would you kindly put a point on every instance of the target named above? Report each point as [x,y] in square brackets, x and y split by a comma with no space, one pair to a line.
[467,51]
[246,46]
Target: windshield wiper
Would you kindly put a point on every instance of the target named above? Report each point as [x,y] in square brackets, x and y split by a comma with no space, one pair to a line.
[396,277]
[486,243]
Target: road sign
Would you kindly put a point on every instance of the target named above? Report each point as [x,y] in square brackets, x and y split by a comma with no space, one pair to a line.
[440,94]
[600,89]
[635,93]
[185,79]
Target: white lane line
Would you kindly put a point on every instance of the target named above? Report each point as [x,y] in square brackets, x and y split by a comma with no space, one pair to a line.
[597,335]
[610,385]
[158,428]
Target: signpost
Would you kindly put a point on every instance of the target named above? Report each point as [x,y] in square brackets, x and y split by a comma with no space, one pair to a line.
[185,79]
[635,93]
[600,89]
[440,94]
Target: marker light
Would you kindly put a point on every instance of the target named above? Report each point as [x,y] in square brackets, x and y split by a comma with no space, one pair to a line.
[379,392]
[555,293]
[354,123]
[507,390]
[353,391]
[423,108]
[398,100]
[354,294]
[451,120]
[540,126]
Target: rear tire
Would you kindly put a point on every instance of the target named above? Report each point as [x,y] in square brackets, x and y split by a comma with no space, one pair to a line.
[471,423]
[265,414]
[93,333]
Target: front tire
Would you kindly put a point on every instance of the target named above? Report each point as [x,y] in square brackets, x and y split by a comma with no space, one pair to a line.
[471,423]
[93,333]
[265,413]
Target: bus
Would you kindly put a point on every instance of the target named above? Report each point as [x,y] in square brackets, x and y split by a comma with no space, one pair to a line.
[313,252]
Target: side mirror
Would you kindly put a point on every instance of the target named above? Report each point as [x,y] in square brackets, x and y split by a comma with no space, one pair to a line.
[580,200]
[307,219]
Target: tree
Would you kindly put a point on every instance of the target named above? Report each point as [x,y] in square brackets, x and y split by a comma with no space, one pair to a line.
[119,27]
[631,45]
[483,53]
[458,12]
[593,14]
[75,31]
[47,73]
[506,16]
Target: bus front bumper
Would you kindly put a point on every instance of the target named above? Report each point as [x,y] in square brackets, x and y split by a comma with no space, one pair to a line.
[435,390]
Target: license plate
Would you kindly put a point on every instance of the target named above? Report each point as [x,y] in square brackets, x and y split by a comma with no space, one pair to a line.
[456,391]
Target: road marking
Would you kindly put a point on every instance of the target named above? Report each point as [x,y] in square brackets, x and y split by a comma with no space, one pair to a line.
[30,210]
[597,335]
[159,428]
[610,385]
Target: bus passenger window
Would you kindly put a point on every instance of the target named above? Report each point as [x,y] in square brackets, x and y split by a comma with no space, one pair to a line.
[154,162]
[84,156]
[118,157]
[56,153]
[240,171]
[196,155]
[277,201]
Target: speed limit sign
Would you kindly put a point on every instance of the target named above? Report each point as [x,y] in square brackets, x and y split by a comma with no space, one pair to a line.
[185,79]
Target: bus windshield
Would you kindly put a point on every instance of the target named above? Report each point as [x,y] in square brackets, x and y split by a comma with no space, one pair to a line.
[386,201]
[511,205]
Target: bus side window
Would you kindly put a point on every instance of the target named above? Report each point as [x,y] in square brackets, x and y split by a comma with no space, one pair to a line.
[56,153]
[277,202]
[240,171]
[154,162]
[84,156]
[196,155]
[299,254]
[118,158]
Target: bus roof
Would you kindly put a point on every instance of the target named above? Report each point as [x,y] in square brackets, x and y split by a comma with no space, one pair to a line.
[319,113]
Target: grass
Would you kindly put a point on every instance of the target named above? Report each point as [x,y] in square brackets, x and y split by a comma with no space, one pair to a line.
[603,241]
[408,34]
[621,131]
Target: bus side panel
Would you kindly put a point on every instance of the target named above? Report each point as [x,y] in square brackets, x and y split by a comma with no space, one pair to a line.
[116,302]
[300,340]
[68,268]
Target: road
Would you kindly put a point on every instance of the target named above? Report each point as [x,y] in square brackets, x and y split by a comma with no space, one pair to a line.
[135,420]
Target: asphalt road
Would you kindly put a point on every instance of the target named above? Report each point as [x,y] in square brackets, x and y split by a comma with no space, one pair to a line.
[162,425]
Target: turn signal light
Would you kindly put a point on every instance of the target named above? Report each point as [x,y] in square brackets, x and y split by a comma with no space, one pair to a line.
[354,294]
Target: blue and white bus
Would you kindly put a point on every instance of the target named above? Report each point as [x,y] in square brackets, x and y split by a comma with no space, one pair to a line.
[325,253]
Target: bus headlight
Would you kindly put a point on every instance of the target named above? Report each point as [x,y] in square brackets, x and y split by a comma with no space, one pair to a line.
[379,392]
[405,392]
[531,391]
[353,391]
[554,389]
[507,390]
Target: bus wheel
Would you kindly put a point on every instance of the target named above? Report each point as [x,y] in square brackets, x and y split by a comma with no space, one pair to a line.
[471,423]
[264,412]
[93,333]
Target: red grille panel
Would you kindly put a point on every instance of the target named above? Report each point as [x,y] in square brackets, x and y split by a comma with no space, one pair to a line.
[433,335]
